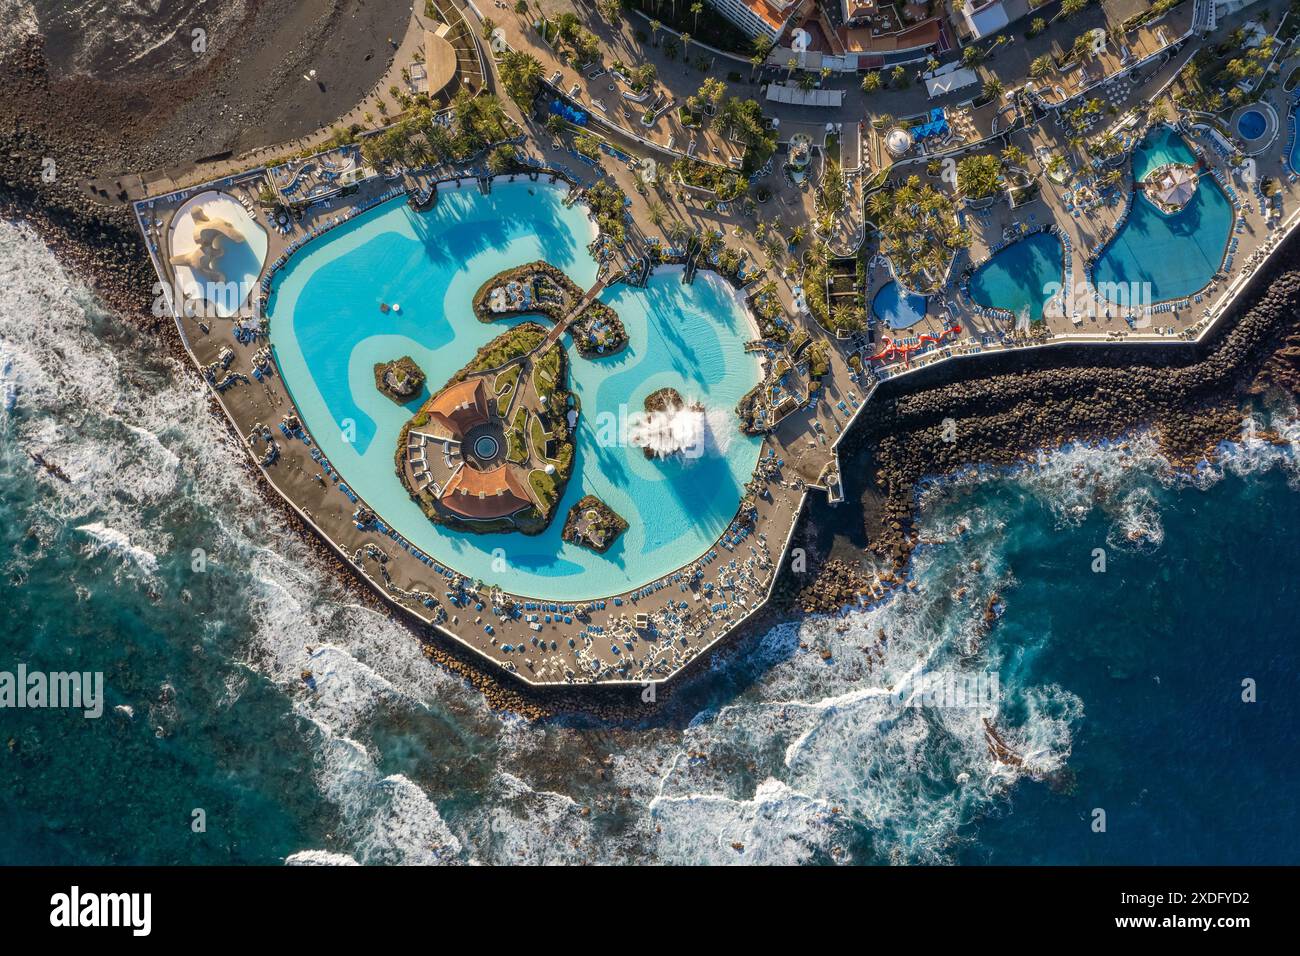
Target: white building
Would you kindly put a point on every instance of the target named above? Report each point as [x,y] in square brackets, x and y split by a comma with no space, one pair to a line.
[984,17]
[757,17]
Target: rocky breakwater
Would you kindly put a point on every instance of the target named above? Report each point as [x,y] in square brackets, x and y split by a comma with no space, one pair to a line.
[1002,409]
[43,174]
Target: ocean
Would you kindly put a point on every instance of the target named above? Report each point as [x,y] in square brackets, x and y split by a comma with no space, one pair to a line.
[1119,732]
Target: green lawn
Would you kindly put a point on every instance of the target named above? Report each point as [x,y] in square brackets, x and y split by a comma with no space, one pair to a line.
[516,448]
[505,387]
[539,436]
[544,485]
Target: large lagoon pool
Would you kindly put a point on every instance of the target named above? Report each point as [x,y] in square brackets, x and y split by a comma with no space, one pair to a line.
[1021,277]
[1176,254]
[328,333]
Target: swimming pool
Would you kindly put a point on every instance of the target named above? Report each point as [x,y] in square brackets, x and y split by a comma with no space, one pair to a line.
[1178,254]
[900,311]
[1161,146]
[1293,160]
[1023,276]
[328,333]
[226,284]
[1251,124]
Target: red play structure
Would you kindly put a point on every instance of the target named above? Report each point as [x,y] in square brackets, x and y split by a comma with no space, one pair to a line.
[892,351]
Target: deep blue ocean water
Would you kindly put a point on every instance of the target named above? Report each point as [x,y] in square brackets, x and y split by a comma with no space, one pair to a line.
[1119,691]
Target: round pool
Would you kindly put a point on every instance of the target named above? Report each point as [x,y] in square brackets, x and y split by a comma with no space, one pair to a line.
[486,448]
[899,310]
[1251,124]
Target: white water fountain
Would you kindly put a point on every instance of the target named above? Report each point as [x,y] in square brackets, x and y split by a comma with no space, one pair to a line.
[689,431]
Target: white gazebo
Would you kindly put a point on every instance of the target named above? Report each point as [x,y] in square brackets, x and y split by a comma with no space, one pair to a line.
[1173,186]
[898,141]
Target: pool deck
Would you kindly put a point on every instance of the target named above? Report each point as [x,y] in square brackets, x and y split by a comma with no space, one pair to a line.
[739,575]
[657,647]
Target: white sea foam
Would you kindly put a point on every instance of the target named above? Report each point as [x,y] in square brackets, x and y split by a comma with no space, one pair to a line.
[319,858]
[17,22]
[136,454]
[104,538]
[777,825]
[812,752]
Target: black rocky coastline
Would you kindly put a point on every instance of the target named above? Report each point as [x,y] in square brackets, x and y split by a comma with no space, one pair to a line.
[1005,407]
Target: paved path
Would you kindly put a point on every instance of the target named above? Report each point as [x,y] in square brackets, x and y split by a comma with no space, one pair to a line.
[562,326]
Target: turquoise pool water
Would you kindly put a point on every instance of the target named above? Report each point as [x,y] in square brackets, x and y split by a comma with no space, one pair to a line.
[900,311]
[1022,276]
[1177,255]
[1293,160]
[1161,146]
[328,333]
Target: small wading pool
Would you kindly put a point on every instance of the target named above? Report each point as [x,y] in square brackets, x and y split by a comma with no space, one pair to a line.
[898,310]
[1251,124]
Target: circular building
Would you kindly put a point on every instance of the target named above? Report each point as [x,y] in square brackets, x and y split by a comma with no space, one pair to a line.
[898,141]
[468,475]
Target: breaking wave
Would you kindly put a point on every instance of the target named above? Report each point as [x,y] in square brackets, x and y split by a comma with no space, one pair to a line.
[797,746]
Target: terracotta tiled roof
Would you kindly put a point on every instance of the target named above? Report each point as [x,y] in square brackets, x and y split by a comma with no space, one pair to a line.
[485,494]
[859,40]
[768,13]
[460,407]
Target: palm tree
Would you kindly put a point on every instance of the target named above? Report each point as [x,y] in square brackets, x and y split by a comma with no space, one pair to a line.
[977,176]
[655,26]
[762,48]
[686,46]
[880,203]
[845,316]
[1015,156]
[697,9]
[521,73]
